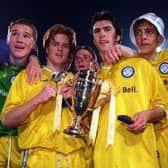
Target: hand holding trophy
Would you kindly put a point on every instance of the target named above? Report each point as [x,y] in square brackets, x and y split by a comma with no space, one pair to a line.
[85,93]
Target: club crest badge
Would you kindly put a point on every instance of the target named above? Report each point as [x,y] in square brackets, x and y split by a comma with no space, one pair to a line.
[163,68]
[128,71]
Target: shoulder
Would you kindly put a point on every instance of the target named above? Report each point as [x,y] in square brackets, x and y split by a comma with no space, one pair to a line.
[136,61]
[21,77]
[22,73]
[163,56]
[164,51]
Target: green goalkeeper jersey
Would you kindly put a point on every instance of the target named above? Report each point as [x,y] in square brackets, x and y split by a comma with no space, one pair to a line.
[8,73]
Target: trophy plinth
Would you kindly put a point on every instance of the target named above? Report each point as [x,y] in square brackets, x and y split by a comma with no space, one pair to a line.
[85,93]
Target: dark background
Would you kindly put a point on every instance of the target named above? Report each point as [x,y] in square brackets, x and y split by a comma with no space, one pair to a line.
[77,15]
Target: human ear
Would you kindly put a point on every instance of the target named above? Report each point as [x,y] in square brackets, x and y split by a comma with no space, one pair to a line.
[118,39]
[46,50]
[160,40]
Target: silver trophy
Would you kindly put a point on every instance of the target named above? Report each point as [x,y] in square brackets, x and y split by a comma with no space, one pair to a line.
[86,91]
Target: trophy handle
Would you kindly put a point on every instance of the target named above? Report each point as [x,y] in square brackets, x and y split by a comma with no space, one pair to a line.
[68,104]
[99,102]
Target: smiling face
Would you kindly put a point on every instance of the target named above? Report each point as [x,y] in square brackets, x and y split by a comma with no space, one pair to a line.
[104,36]
[147,38]
[58,52]
[20,41]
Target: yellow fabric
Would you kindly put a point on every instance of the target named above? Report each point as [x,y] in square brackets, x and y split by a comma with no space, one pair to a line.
[162,127]
[58,109]
[89,155]
[15,155]
[111,120]
[107,87]
[94,124]
[143,90]
[157,62]
[38,130]
[46,158]
[88,150]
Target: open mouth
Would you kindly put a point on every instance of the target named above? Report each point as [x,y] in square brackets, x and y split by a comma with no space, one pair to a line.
[19,48]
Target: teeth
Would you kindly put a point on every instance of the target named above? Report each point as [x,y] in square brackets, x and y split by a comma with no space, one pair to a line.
[19,47]
[103,42]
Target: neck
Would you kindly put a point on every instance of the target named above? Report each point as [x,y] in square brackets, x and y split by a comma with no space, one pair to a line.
[55,68]
[150,57]
[18,61]
[105,66]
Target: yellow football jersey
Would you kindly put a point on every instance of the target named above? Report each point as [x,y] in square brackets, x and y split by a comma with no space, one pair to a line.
[140,88]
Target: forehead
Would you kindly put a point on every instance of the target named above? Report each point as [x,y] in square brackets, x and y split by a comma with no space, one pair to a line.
[143,23]
[61,38]
[102,23]
[83,52]
[22,28]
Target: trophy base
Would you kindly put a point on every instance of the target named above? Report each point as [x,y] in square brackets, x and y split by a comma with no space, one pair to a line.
[74,132]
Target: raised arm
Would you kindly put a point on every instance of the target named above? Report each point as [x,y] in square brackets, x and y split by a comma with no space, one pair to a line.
[117,51]
[33,67]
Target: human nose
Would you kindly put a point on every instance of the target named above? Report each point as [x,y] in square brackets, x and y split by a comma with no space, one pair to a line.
[19,37]
[102,33]
[81,60]
[60,47]
[80,63]
[143,35]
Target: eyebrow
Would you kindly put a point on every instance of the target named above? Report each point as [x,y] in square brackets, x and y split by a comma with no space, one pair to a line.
[16,30]
[105,27]
[55,41]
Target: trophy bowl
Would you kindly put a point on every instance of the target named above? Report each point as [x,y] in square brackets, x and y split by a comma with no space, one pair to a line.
[85,93]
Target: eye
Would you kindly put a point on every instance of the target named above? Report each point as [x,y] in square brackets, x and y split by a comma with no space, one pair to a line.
[149,31]
[108,28]
[86,57]
[27,36]
[14,33]
[54,43]
[137,33]
[96,30]
[66,46]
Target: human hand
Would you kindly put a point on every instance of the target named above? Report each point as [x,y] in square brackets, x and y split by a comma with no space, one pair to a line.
[96,66]
[117,51]
[33,68]
[113,54]
[140,120]
[66,90]
[46,94]
[127,52]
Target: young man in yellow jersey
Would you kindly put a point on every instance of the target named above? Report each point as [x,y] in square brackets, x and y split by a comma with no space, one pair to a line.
[34,110]
[137,91]
[21,39]
[147,33]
